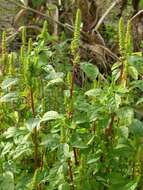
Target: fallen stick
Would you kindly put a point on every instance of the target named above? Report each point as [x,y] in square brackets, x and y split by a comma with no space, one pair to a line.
[105,14]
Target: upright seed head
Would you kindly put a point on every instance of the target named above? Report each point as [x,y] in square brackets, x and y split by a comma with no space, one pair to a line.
[4,54]
[24,36]
[121,36]
[128,39]
[44,30]
[76,38]
[29,46]
[11,64]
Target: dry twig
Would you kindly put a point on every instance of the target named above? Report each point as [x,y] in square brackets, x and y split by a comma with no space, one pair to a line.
[105,14]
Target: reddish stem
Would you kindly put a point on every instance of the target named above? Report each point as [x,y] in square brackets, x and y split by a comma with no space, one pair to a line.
[75,156]
[110,125]
[70,114]
[71,174]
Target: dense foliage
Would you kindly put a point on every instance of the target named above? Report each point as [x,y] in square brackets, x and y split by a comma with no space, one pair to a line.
[64,124]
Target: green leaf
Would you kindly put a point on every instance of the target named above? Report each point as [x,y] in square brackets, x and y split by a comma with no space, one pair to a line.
[7,148]
[136,127]
[137,84]
[90,70]
[79,145]
[94,160]
[116,178]
[140,101]
[116,74]
[77,142]
[126,115]
[121,89]
[44,55]
[64,186]
[11,131]
[124,131]
[51,115]
[55,75]
[12,96]
[7,181]
[123,150]
[131,185]
[117,100]
[115,66]
[133,72]
[9,82]
[91,140]
[55,82]
[136,61]
[51,141]
[93,92]
[67,152]
[123,184]
[32,123]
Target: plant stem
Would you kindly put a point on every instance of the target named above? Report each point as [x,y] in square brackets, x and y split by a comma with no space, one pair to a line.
[75,156]
[70,114]
[72,82]
[34,131]
[42,158]
[32,103]
[109,130]
[71,174]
